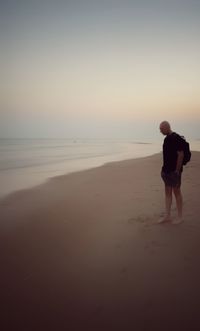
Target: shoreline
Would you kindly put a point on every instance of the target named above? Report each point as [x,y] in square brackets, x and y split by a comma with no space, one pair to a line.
[25,178]
[44,181]
[84,251]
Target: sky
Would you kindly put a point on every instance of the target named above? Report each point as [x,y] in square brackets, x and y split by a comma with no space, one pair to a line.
[99,69]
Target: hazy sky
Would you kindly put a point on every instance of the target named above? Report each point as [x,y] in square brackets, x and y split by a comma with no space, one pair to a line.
[99,68]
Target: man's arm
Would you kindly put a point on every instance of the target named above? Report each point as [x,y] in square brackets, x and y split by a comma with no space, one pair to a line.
[179,161]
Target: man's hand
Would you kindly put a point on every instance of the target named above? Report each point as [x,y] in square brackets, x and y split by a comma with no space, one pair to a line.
[179,161]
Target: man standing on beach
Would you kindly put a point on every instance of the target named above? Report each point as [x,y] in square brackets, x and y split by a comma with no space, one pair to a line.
[171,171]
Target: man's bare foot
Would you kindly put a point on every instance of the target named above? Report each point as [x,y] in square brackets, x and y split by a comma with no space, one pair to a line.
[164,219]
[177,220]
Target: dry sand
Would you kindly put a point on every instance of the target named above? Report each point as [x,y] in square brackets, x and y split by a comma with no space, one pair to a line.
[83,252]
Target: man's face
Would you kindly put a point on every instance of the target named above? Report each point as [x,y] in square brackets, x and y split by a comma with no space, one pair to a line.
[164,129]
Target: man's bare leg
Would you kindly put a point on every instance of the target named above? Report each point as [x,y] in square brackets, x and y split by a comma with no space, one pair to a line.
[179,204]
[168,204]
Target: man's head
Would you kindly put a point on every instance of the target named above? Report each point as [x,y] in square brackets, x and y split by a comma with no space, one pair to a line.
[165,128]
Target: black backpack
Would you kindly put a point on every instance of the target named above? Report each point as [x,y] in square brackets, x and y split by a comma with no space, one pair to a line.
[187,152]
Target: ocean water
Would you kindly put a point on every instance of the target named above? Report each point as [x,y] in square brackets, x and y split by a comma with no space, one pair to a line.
[28,162]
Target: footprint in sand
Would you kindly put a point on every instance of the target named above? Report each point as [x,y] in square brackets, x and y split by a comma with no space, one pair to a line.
[153,244]
[156,243]
[123,270]
[139,219]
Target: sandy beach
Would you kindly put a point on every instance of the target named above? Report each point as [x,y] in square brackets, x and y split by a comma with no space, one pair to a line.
[84,252]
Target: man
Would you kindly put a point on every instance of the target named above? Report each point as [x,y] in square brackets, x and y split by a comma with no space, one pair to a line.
[171,171]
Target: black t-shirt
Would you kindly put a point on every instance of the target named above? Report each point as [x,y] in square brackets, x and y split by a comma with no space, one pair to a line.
[172,144]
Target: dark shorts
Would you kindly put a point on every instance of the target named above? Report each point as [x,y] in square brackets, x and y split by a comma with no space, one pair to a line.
[171,179]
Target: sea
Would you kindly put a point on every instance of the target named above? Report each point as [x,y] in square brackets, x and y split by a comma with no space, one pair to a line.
[25,163]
